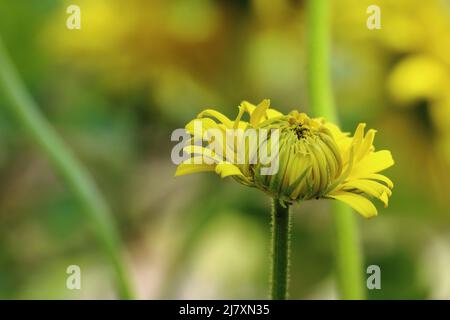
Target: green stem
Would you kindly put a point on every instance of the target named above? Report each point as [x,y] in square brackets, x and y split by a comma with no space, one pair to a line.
[348,254]
[320,94]
[76,177]
[280,250]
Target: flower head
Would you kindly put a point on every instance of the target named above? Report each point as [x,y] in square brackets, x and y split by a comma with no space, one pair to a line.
[314,158]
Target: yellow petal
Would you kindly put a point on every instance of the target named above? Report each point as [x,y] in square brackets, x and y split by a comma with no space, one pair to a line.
[342,140]
[202,151]
[204,123]
[272,113]
[259,113]
[237,121]
[226,169]
[336,132]
[380,177]
[384,198]
[187,167]
[369,187]
[373,163]
[216,114]
[359,132]
[362,205]
[248,107]
[367,144]
[358,137]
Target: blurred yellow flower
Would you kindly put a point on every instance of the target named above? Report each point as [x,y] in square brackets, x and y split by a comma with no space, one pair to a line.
[419,77]
[315,158]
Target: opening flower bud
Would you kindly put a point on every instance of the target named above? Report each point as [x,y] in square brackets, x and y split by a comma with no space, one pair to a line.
[309,159]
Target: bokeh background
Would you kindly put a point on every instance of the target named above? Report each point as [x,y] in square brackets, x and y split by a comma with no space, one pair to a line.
[138,69]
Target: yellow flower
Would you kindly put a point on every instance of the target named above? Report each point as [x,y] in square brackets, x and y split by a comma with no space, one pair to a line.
[315,159]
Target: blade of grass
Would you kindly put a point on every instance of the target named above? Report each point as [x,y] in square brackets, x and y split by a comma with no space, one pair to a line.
[347,251]
[21,105]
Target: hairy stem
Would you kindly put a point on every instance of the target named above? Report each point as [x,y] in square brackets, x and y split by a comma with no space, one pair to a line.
[348,253]
[21,105]
[280,250]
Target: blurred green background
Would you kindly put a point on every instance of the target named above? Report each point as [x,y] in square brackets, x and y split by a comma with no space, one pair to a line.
[137,70]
